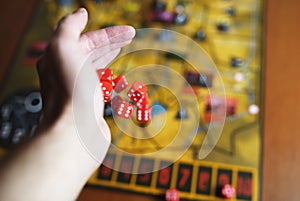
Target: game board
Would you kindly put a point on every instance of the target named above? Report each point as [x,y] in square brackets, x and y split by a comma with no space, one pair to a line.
[202,65]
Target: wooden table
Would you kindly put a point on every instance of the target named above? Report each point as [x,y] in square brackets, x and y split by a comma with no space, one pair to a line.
[281,149]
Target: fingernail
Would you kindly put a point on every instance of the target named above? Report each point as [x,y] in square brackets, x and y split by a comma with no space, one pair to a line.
[80,10]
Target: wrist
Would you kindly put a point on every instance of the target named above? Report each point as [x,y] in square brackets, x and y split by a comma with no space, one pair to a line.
[89,132]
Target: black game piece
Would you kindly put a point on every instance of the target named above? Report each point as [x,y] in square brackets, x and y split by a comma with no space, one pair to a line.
[107,110]
[19,117]
[231,11]
[223,27]
[200,35]
[236,62]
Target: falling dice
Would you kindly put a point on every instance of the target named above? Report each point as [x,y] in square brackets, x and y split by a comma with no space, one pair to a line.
[143,114]
[228,191]
[107,89]
[115,101]
[137,91]
[135,95]
[125,110]
[121,107]
[143,102]
[105,75]
[172,195]
[120,83]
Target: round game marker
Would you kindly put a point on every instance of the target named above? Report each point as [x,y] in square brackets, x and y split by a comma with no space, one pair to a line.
[253,109]
[228,192]
[239,77]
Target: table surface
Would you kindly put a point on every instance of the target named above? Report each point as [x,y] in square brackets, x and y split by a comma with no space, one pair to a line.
[281,111]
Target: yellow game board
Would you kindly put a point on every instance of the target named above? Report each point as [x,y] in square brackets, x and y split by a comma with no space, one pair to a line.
[201,61]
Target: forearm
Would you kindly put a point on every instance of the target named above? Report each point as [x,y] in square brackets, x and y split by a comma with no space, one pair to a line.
[54,166]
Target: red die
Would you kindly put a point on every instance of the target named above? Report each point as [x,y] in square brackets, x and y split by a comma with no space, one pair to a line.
[139,85]
[125,110]
[136,95]
[107,89]
[143,114]
[115,101]
[137,91]
[121,107]
[227,191]
[143,102]
[120,83]
[105,74]
[172,195]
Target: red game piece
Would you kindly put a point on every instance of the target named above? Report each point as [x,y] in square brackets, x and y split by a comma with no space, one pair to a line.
[120,83]
[217,105]
[107,89]
[227,191]
[172,195]
[34,51]
[143,114]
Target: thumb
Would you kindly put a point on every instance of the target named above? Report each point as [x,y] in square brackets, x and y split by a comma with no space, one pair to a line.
[73,24]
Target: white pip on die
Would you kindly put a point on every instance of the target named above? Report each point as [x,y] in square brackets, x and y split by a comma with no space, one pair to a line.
[137,91]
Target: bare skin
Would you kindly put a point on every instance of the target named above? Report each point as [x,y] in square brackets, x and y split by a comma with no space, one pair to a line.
[54,165]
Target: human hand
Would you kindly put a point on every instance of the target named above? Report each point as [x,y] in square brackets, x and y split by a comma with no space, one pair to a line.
[68,82]
[68,52]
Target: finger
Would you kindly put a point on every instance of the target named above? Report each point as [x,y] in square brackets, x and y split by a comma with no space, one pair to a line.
[73,24]
[103,61]
[99,38]
[99,52]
